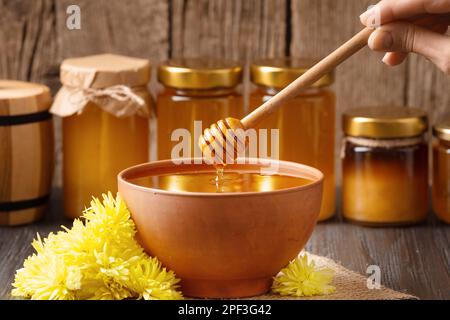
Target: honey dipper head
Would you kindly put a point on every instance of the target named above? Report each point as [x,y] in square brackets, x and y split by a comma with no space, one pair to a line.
[223,141]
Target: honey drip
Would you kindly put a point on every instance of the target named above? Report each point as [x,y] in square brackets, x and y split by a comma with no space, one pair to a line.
[220,178]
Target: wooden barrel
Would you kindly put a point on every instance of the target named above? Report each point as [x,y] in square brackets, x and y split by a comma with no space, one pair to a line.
[26,151]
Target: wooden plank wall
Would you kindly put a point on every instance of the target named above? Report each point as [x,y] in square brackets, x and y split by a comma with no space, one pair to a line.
[34,41]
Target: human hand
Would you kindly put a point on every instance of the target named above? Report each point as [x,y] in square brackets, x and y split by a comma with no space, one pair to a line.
[417,26]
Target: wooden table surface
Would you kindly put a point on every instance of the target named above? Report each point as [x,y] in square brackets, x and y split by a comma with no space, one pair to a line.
[414,259]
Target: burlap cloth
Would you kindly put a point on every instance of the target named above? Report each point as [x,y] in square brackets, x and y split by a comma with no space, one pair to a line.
[116,84]
[349,286]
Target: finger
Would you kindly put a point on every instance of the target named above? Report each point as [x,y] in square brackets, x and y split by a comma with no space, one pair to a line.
[406,37]
[394,58]
[430,20]
[390,10]
[440,28]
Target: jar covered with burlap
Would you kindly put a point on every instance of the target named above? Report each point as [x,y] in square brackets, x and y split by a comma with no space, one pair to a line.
[105,105]
[385,166]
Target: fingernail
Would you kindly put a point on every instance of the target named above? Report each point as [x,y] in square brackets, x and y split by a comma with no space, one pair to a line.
[385,59]
[365,16]
[381,40]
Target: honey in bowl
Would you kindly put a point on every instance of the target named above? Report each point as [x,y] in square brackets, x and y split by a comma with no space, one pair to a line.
[216,182]
[225,244]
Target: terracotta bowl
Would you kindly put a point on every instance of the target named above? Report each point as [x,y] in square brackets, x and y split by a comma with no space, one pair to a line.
[223,245]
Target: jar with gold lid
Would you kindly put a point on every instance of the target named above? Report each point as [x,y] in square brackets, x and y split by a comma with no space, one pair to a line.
[306,123]
[385,166]
[441,171]
[196,93]
[105,105]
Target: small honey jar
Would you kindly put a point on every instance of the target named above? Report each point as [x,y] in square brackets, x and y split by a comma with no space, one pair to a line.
[441,171]
[195,90]
[306,123]
[385,166]
[105,105]
[26,151]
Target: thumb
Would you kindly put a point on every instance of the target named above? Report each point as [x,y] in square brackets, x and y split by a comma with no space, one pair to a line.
[406,37]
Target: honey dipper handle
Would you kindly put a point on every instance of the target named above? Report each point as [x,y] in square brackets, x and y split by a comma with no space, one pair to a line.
[307,79]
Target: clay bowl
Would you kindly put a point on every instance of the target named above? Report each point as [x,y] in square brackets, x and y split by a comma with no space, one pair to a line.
[223,245]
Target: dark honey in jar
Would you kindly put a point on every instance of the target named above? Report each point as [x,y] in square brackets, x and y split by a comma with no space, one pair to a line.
[441,171]
[385,166]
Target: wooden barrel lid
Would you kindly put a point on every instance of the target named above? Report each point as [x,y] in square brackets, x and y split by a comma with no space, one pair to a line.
[18,97]
[105,70]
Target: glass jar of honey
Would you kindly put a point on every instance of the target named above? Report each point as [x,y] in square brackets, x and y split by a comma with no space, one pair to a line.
[385,166]
[196,93]
[441,171]
[306,124]
[105,105]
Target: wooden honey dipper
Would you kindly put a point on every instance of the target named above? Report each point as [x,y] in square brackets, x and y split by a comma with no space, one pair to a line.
[221,134]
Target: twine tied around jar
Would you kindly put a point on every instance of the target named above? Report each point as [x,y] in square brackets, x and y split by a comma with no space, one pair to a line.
[381,143]
[119,100]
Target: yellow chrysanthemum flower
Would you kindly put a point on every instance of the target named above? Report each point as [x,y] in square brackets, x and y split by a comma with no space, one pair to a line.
[97,259]
[302,278]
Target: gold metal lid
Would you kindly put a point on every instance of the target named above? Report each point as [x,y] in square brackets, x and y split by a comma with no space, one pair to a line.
[442,130]
[278,73]
[384,122]
[200,73]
